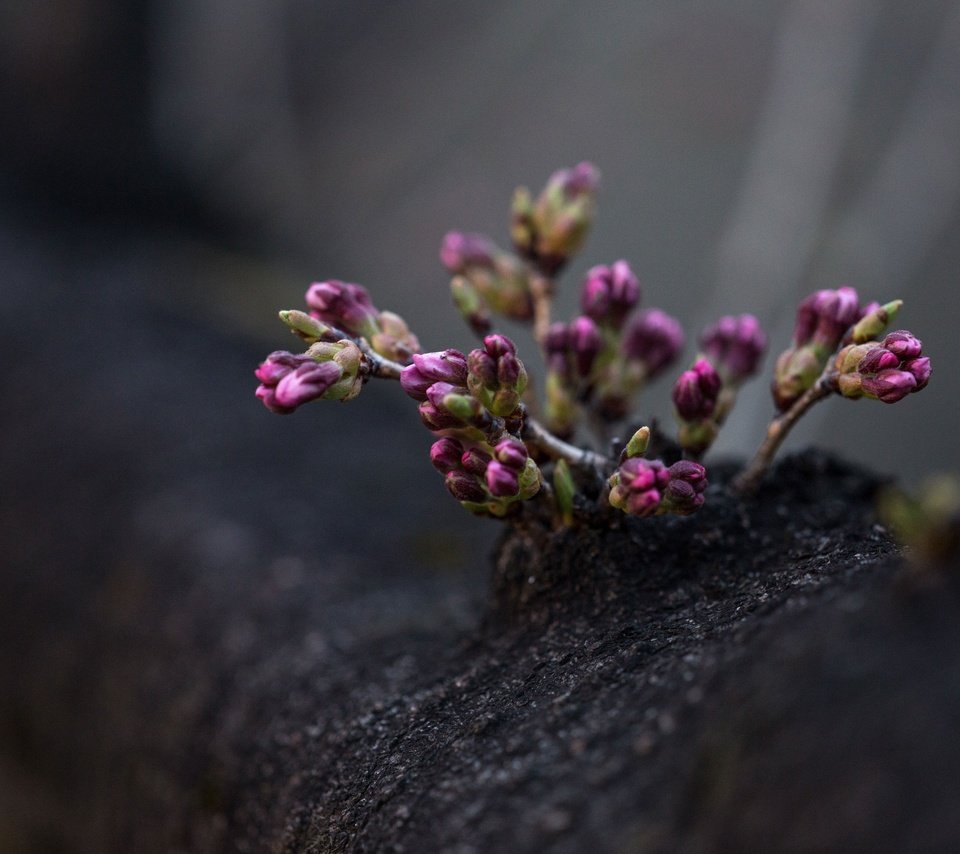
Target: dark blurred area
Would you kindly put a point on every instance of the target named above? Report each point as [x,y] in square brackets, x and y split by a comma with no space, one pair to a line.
[173,173]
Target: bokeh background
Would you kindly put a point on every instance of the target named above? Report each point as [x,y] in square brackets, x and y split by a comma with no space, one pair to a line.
[173,172]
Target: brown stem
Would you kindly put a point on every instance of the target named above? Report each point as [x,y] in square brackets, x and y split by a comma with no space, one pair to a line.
[541,290]
[377,365]
[749,479]
[556,448]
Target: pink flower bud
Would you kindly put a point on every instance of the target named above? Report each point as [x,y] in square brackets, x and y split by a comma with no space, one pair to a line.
[345,306]
[461,250]
[585,342]
[654,338]
[308,382]
[903,344]
[735,345]
[445,454]
[464,486]
[889,386]
[448,366]
[502,481]
[475,461]
[512,453]
[921,370]
[610,293]
[696,390]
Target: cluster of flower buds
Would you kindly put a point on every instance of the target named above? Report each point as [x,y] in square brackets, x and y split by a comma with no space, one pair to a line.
[822,320]
[328,371]
[349,308]
[644,487]
[735,346]
[487,479]
[485,279]
[496,377]
[603,357]
[888,370]
[551,229]
[696,394]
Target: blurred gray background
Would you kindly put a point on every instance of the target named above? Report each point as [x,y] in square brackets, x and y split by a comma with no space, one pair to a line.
[751,151]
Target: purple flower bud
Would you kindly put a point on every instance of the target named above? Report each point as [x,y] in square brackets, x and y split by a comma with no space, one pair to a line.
[461,250]
[903,344]
[684,493]
[696,390]
[512,453]
[464,486]
[609,294]
[825,315]
[495,376]
[446,366]
[877,359]
[437,419]
[581,179]
[308,382]
[343,305]
[445,454]
[502,481]
[586,343]
[475,461]
[636,487]
[654,338]
[735,345]
[921,370]
[889,386]
[277,365]
[438,392]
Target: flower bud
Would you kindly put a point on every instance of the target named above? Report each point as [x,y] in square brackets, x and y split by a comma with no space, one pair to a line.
[346,306]
[495,376]
[585,343]
[920,369]
[502,481]
[876,318]
[448,366]
[636,487]
[796,371]
[683,495]
[310,381]
[394,340]
[695,392]
[460,251]
[464,486]
[889,386]
[497,279]
[609,294]
[475,461]
[654,338]
[637,446]
[310,329]
[277,365]
[903,344]
[735,345]
[445,454]
[512,453]
[552,229]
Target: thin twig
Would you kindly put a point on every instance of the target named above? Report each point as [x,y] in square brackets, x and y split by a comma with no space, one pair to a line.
[552,446]
[541,290]
[749,479]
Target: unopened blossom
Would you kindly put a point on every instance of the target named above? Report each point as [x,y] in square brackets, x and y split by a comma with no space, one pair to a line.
[345,306]
[495,376]
[637,486]
[695,391]
[683,494]
[609,293]
[486,277]
[552,228]
[448,366]
[654,339]
[735,345]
